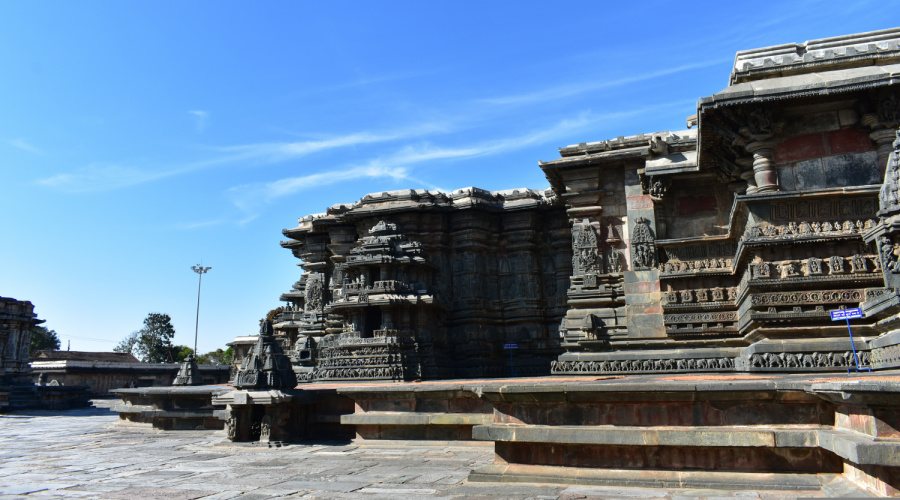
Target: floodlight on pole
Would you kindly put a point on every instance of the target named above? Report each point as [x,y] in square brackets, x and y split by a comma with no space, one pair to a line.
[199,270]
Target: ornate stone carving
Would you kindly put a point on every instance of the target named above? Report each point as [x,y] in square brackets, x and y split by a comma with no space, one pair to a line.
[836,264]
[657,188]
[760,269]
[889,255]
[585,253]
[314,294]
[643,245]
[858,264]
[790,360]
[814,265]
[265,366]
[806,298]
[615,261]
[889,109]
[643,365]
[890,190]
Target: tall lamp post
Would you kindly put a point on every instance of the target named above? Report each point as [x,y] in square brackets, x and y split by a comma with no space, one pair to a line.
[199,270]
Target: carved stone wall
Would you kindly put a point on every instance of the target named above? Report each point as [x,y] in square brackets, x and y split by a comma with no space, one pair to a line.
[719,248]
[432,286]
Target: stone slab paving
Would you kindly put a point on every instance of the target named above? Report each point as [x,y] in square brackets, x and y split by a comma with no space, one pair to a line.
[84,454]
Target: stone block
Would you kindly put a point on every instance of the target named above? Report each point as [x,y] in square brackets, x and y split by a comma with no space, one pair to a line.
[642,202]
[808,174]
[852,169]
[799,148]
[849,140]
[786,177]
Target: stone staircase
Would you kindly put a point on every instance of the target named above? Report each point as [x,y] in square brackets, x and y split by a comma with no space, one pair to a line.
[743,434]
[23,397]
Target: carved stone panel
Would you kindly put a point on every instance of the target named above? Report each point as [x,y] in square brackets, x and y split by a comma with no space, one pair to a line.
[643,246]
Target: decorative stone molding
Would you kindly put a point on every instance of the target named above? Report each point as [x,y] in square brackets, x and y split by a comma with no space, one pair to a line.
[680,267]
[813,360]
[806,230]
[806,298]
[643,366]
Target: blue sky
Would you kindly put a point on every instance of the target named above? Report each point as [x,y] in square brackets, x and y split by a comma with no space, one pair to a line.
[140,138]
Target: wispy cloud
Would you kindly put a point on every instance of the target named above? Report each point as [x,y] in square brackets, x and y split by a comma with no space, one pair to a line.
[197,225]
[97,178]
[201,118]
[397,165]
[24,145]
[573,89]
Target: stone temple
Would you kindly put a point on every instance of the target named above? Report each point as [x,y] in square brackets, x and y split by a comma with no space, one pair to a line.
[668,299]
[722,247]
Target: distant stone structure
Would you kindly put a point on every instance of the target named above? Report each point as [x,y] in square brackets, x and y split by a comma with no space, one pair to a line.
[719,248]
[17,388]
[104,372]
[17,318]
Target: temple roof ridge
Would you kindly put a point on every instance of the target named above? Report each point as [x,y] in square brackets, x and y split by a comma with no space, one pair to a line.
[841,52]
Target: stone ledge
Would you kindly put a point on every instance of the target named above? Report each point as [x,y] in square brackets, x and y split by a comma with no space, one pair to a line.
[648,478]
[647,436]
[416,418]
[859,449]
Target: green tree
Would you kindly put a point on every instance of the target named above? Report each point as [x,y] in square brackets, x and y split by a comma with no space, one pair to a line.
[43,339]
[180,353]
[217,357]
[153,342]
[129,344]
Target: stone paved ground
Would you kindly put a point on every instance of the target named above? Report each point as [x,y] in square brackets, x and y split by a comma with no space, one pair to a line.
[79,453]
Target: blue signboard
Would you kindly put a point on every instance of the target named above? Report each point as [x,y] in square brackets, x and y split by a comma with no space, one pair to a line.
[842,314]
[510,346]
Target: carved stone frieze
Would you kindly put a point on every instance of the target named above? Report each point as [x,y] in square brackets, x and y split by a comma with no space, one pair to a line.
[813,267]
[680,267]
[643,366]
[801,360]
[823,210]
[885,357]
[806,298]
[807,230]
[717,294]
[701,317]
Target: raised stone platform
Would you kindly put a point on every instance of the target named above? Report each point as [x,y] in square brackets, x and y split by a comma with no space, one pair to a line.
[791,432]
[171,408]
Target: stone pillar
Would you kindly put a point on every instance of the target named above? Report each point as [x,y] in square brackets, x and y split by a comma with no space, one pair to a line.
[746,165]
[882,135]
[763,166]
[883,139]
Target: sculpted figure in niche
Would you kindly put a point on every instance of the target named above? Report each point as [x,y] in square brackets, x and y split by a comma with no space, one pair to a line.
[586,255]
[858,263]
[837,264]
[814,265]
[314,295]
[615,261]
[643,246]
